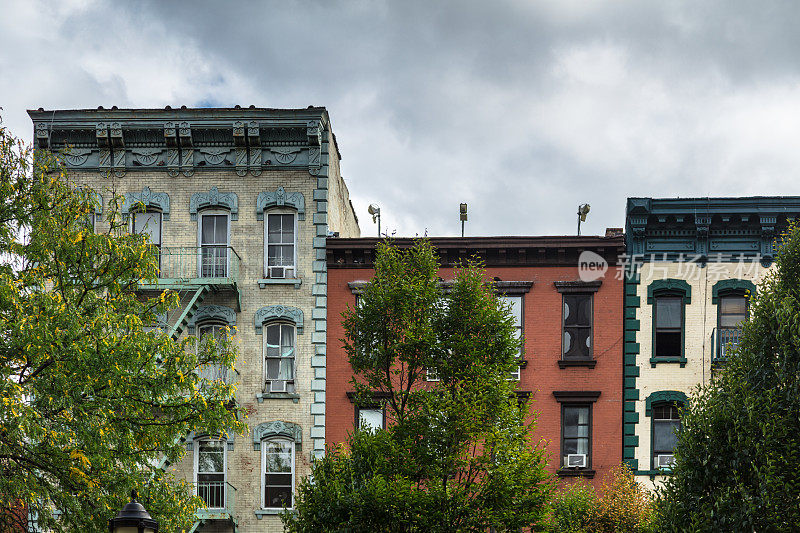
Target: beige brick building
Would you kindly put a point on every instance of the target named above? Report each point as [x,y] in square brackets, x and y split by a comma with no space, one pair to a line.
[241,202]
[694,263]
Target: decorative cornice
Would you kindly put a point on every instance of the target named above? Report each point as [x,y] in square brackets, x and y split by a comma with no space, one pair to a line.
[572,396]
[214,198]
[663,396]
[278,312]
[577,286]
[669,285]
[148,199]
[277,429]
[216,313]
[280,198]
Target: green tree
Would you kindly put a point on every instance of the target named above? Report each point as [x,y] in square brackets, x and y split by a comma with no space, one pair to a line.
[457,454]
[739,447]
[90,400]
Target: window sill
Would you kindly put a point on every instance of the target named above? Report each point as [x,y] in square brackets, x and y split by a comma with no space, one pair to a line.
[653,473]
[262,283]
[261,513]
[575,472]
[572,363]
[261,396]
[656,360]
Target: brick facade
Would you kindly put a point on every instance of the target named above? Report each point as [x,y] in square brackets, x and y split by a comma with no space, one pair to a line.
[542,261]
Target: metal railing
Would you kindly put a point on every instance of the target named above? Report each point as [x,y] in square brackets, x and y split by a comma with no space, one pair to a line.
[219,498]
[216,265]
[726,339]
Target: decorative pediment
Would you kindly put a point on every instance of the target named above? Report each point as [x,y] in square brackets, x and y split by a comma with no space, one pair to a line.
[735,286]
[670,285]
[279,312]
[277,429]
[147,199]
[215,313]
[228,436]
[664,396]
[214,198]
[281,198]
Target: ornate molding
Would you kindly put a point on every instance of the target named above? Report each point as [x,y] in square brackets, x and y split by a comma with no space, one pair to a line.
[228,436]
[216,313]
[277,429]
[738,286]
[149,199]
[278,312]
[281,198]
[663,396]
[214,198]
[670,285]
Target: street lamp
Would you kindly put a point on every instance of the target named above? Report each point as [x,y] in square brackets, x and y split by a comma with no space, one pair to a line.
[133,518]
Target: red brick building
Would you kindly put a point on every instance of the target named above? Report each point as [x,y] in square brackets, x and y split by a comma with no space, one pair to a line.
[572,361]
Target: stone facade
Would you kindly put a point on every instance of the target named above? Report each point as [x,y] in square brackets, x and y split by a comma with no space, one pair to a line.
[695,252]
[241,163]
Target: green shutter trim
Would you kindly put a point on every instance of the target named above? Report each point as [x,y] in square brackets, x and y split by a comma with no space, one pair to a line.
[732,285]
[672,285]
[663,396]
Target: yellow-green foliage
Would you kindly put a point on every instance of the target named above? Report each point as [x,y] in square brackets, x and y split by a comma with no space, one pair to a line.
[89,399]
[623,506]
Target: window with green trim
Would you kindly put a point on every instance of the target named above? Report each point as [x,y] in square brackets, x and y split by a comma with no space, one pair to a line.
[732,312]
[666,424]
[668,322]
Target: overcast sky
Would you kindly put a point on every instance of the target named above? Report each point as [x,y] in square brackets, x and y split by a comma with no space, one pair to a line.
[522,109]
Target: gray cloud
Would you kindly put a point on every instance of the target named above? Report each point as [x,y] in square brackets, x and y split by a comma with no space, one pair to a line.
[522,109]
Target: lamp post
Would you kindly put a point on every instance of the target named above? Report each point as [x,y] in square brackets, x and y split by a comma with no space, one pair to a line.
[133,518]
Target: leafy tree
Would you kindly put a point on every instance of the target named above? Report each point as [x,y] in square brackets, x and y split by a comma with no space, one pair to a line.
[457,454]
[90,400]
[739,447]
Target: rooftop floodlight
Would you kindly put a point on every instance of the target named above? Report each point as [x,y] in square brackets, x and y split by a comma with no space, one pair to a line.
[375,211]
[583,210]
[462,209]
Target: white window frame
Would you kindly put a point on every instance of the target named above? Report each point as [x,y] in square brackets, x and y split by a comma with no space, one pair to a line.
[208,212]
[506,298]
[224,467]
[133,223]
[266,380]
[213,324]
[378,409]
[264,446]
[280,211]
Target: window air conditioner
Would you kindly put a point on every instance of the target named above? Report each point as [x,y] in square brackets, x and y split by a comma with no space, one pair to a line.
[277,272]
[576,460]
[277,385]
[665,460]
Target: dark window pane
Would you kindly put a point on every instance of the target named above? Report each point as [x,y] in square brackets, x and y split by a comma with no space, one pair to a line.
[579,345]
[665,436]
[733,305]
[668,343]
[668,312]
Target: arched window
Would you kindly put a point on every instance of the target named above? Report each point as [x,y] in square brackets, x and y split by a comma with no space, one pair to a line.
[664,410]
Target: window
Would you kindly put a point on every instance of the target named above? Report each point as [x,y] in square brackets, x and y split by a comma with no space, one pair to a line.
[666,425]
[214,235]
[279,357]
[732,312]
[277,458]
[145,223]
[576,436]
[515,303]
[217,332]
[370,418]
[577,336]
[210,472]
[668,326]
[280,249]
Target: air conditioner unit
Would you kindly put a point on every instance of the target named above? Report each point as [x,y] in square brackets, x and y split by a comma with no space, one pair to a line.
[665,460]
[576,460]
[277,385]
[277,272]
